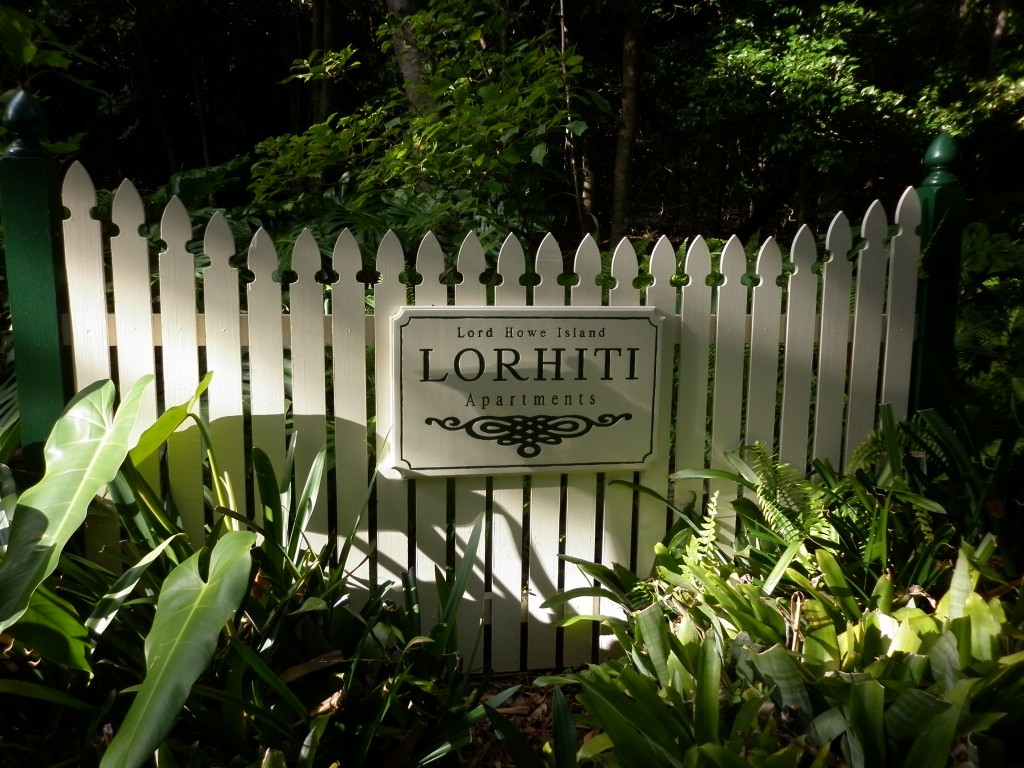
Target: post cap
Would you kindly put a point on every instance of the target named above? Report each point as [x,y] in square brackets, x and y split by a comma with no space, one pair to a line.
[27,124]
[941,154]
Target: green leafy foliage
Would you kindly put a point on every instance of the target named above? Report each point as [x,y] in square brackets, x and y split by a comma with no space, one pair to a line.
[815,643]
[242,650]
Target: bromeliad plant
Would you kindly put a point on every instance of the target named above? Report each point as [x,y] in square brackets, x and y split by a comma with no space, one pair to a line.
[244,650]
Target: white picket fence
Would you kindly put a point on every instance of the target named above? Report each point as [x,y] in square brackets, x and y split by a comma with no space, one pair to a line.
[839,339]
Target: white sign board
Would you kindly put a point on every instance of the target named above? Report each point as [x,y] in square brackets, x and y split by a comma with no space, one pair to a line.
[497,389]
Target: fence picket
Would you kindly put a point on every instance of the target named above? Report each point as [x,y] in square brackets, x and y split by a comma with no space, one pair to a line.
[727,401]
[694,368]
[581,490]
[221,308]
[392,525]
[348,335]
[266,362]
[180,366]
[652,520]
[763,371]
[470,493]
[801,324]
[508,500]
[833,354]
[867,329]
[133,307]
[432,492]
[901,305]
[546,498]
[87,307]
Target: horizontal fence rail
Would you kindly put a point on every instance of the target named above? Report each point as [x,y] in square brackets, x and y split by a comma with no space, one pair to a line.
[795,352]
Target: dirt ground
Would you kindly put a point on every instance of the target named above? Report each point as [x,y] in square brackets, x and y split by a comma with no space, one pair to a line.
[529,709]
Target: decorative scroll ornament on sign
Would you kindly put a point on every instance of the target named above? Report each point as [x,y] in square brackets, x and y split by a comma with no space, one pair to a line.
[528,432]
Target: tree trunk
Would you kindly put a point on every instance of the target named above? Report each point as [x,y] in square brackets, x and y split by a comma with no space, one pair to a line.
[409,56]
[627,126]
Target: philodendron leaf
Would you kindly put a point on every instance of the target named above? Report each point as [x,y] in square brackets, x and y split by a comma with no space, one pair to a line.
[83,453]
[190,613]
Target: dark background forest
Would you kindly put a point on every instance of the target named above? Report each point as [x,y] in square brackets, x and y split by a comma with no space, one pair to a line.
[616,118]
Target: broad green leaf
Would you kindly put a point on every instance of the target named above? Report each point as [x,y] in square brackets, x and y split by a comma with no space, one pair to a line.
[52,628]
[190,614]
[83,453]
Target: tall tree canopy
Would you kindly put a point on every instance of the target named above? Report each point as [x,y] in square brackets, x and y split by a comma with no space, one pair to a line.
[625,118]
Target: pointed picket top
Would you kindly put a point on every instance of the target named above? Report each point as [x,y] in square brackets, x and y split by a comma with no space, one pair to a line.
[661,293]
[219,243]
[78,192]
[346,259]
[624,269]
[431,268]
[390,262]
[733,263]
[127,210]
[306,256]
[548,267]
[908,211]
[697,264]
[804,253]
[471,264]
[511,266]
[839,240]
[587,266]
[875,224]
[262,257]
[769,261]
[176,231]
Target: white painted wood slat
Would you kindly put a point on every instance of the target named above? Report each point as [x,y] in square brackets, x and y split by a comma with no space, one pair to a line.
[867,329]
[763,371]
[348,358]
[266,363]
[470,493]
[798,365]
[901,305]
[833,354]
[180,369]
[221,303]
[431,492]
[508,502]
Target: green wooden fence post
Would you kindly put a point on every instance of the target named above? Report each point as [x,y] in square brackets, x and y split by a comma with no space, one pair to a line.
[31,214]
[942,227]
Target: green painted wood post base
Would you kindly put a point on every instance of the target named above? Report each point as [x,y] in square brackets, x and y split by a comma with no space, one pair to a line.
[942,227]
[31,216]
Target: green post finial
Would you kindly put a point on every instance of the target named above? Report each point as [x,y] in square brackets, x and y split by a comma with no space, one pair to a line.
[27,123]
[941,155]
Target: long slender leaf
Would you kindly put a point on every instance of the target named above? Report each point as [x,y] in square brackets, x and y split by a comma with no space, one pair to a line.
[106,607]
[83,453]
[709,681]
[160,430]
[191,612]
